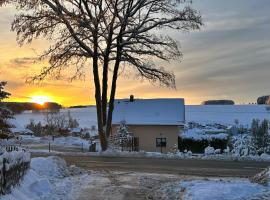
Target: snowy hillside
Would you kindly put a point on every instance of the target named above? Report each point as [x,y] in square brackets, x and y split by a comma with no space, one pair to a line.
[226,114]
[85,116]
[198,113]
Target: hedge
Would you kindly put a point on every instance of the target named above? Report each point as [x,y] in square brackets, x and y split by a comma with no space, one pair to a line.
[198,146]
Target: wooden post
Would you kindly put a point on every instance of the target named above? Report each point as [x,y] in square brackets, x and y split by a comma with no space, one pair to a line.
[49,147]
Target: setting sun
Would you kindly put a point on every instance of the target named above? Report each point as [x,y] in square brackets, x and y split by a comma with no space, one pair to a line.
[40,99]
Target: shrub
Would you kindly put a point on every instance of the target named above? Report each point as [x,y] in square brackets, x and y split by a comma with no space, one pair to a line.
[37,129]
[198,146]
[260,136]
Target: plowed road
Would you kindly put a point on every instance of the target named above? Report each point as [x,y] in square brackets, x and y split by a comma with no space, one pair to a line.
[167,166]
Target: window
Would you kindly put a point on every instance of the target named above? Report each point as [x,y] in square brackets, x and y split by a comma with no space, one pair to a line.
[161,142]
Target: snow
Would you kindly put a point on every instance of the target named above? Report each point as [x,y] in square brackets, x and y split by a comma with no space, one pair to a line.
[21,131]
[226,114]
[57,167]
[69,141]
[209,150]
[201,134]
[223,114]
[75,130]
[221,189]
[149,111]
[49,178]
[86,117]
[14,157]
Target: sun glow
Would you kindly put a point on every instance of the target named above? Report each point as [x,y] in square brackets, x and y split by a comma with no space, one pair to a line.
[40,99]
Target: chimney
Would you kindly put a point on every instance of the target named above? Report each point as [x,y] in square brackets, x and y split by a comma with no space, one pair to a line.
[131,98]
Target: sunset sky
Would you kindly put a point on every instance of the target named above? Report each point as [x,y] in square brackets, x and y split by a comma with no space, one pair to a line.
[228,59]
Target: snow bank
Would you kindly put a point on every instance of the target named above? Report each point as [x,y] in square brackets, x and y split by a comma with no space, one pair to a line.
[57,167]
[209,150]
[49,178]
[220,189]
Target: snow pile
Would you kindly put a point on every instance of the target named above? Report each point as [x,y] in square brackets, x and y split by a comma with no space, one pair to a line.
[14,158]
[209,150]
[201,134]
[57,167]
[49,178]
[221,189]
[265,156]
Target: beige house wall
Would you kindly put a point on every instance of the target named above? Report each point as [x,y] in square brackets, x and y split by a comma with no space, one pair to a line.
[147,135]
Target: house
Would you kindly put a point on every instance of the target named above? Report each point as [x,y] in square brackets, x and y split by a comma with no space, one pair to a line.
[154,123]
[76,131]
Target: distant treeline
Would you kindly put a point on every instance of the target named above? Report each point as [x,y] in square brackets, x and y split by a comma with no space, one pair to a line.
[264,100]
[79,106]
[18,107]
[218,102]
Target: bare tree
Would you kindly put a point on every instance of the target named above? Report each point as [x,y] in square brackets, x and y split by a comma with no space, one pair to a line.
[105,34]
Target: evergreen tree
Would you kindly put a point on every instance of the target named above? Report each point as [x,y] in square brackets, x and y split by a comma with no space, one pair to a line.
[5,113]
[122,138]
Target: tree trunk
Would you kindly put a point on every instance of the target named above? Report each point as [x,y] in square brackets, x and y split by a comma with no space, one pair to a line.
[113,89]
[101,132]
[112,97]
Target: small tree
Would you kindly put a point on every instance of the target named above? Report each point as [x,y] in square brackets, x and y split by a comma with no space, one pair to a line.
[37,129]
[72,122]
[5,113]
[260,135]
[122,137]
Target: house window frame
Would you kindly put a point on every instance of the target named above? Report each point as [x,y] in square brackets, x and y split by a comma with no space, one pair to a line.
[162,142]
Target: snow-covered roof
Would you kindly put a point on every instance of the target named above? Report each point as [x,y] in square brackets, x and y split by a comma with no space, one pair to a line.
[149,111]
[75,130]
[20,130]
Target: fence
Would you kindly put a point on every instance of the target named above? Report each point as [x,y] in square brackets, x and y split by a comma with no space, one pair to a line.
[14,163]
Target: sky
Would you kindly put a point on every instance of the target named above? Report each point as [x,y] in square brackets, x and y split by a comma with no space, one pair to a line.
[229,58]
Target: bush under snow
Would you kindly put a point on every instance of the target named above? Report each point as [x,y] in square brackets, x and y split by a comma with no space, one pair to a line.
[14,158]
[209,150]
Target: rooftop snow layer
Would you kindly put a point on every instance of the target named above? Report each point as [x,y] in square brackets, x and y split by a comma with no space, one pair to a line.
[149,112]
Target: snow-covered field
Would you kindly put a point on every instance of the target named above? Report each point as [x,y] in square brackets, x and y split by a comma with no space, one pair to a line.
[225,114]
[50,178]
[85,116]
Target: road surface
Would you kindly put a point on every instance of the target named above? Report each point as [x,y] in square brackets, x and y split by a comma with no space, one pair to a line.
[168,166]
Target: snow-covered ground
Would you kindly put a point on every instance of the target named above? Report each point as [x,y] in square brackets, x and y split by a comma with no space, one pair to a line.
[218,189]
[41,144]
[68,141]
[225,114]
[86,117]
[50,178]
